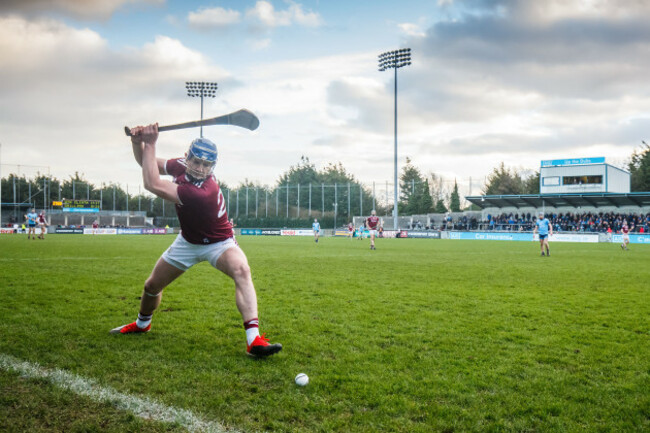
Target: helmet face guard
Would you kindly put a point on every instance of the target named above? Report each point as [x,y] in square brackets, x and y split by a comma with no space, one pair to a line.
[201,158]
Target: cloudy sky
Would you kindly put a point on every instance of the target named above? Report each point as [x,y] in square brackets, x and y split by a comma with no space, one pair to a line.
[491,81]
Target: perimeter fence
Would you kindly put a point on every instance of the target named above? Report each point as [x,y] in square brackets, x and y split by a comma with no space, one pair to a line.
[291,205]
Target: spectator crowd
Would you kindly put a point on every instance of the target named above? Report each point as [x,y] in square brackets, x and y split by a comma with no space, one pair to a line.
[594,222]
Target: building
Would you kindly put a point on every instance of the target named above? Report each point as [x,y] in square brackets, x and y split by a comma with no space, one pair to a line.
[582,175]
[572,185]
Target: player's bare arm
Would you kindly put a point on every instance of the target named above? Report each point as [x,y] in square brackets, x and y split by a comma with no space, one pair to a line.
[150,169]
[138,145]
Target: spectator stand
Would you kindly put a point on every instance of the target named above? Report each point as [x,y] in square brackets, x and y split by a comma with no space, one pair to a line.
[592,212]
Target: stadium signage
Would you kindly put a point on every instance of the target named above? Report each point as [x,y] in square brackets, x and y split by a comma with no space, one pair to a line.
[573,161]
[260,232]
[299,232]
[100,231]
[634,239]
[88,204]
[571,237]
[485,236]
[154,231]
[7,231]
[69,231]
[420,234]
[126,231]
[82,210]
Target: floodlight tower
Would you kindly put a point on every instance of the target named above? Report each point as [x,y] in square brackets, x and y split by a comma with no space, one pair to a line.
[201,89]
[395,60]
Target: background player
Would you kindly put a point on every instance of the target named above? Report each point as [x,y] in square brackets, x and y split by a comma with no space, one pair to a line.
[350,230]
[316,228]
[31,218]
[625,231]
[373,224]
[42,224]
[545,229]
[206,234]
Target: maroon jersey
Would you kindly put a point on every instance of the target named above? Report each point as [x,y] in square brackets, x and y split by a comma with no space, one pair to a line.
[372,221]
[202,211]
[350,227]
[41,218]
[625,230]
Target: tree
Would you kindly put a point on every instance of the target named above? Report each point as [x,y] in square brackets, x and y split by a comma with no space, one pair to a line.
[440,207]
[503,181]
[426,201]
[531,184]
[415,196]
[639,167]
[454,199]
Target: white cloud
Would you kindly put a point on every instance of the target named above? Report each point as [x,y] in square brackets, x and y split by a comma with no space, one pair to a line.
[264,15]
[214,18]
[85,9]
[260,44]
[67,96]
[411,29]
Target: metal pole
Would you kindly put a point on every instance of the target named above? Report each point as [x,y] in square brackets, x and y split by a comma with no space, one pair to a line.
[309,198]
[323,196]
[361,199]
[266,202]
[1,184]
[237,207]
[298,210]
[336,204]
[348,199]
[201,109]
[277,201]
[287,201]
[395,177]
[246,201]
[257,199]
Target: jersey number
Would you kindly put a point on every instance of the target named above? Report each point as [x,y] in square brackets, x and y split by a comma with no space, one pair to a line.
[221,203]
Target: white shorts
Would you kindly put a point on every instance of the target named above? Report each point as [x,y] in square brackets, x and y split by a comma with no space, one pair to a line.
[626,237]
[372,233]
[183,255]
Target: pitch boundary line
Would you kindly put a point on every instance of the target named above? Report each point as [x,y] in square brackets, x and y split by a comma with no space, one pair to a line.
[142,407]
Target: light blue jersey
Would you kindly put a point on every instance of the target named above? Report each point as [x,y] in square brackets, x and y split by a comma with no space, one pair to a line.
[315,227]
[31,218]
[542,226]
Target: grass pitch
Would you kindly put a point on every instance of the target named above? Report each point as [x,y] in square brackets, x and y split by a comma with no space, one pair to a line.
[418,336]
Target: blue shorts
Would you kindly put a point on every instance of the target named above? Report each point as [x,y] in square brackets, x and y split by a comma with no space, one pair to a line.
[542,237]
[32,226]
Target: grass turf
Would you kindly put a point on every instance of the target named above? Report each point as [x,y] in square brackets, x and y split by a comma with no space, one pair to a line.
[417,336]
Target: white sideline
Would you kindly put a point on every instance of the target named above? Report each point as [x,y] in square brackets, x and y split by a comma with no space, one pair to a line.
[142,407]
